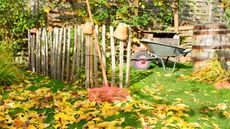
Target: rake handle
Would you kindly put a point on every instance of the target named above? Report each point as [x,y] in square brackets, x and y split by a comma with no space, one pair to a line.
[97,47]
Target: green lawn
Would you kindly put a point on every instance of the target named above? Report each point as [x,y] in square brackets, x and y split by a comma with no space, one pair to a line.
[158,100]
[203,99]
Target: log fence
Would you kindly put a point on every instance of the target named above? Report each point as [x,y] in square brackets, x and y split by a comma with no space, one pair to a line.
[69,55]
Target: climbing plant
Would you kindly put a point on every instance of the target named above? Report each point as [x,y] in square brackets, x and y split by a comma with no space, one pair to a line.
[156,13]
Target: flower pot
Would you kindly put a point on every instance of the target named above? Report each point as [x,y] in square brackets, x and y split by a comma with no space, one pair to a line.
[121,31]
[88,28]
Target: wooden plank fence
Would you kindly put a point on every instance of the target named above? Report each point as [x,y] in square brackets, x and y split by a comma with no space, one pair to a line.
[69,55]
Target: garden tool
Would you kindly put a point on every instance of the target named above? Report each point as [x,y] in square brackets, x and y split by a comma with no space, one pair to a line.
[104,93]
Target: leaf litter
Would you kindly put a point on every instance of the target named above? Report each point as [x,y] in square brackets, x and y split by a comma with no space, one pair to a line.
[30,109]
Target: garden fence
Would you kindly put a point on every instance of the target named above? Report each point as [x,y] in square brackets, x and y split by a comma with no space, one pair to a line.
[68,54]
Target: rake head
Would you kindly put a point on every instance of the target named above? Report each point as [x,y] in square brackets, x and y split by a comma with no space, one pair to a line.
[108,94]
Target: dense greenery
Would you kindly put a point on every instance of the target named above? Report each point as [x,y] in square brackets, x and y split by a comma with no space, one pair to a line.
[15,19]
[9,73]
[156,13]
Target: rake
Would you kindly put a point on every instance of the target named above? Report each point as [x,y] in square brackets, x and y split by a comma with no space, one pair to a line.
[104,93]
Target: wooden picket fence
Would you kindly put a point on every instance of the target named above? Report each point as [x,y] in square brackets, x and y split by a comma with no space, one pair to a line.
[69,55]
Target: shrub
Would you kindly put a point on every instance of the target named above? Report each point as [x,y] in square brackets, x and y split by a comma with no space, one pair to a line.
[9,73]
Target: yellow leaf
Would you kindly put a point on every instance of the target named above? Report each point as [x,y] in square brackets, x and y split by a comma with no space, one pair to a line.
[31,127]
[64,118]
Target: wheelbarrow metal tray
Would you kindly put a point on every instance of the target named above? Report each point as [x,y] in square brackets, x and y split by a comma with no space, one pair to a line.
[163,50]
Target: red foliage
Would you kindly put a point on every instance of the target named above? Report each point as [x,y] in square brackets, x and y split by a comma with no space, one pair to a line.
[107,94]
[222,85]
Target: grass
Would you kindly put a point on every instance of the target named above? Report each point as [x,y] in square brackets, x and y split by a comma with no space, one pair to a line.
[150,89]
[197,95]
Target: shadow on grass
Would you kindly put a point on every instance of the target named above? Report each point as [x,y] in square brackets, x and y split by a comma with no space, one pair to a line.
[137,75]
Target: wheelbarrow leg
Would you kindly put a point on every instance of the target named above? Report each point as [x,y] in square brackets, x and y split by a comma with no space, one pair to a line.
[167,60]
[163,64]
[164,68]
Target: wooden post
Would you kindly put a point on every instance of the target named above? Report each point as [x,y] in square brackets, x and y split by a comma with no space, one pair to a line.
[33,53]
[38,52]
[29,49]
[112,56]
[96,61]
[56,53]
[136,4]
[87,60]
[74,53]
[121,58]
[91,62]
[59,54]
[68,55]
[176,16]
[82,48]
[43,51]
[52,54]
[47,54]
[103,45]
[127,81]
[78,52]
[63,56]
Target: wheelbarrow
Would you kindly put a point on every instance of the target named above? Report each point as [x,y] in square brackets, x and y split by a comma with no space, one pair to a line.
[142,59]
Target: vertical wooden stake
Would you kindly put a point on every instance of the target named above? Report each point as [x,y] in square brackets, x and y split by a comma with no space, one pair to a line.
[47,54]
[87,60]
[127,81]
[176,16]
[112,56]
[91,61]
[78,52]
[63,57]
[96,61]
[74,54]
[121,49]
[33,53]
[136,4]
[43,51]
[82,48]
[29,49]
[59,54]
[38,52]
[103,45]
[68,55]
[53,53]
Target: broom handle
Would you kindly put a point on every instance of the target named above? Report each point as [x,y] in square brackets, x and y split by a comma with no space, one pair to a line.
[97,47]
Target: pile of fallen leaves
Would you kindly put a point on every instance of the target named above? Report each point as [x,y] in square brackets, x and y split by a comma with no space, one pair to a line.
[35,104]
[213,72]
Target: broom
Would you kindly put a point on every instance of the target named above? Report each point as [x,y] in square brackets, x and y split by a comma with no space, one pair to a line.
[104,93]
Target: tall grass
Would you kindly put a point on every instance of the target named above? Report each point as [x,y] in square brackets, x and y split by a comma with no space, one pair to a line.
[9,73]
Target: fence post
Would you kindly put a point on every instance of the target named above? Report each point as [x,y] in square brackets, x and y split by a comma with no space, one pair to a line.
[68,55]
[103,44]
[74,54]
[47,54]
[121,61]
[112,56]
[29,47]
[63,56]
[96,60]
[59,54]
[78,52]
[127,81]
[87,60]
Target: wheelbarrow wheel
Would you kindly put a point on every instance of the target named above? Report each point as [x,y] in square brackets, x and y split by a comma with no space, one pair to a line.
[141,60]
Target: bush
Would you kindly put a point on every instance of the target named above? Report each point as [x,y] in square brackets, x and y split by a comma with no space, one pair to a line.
[9,73]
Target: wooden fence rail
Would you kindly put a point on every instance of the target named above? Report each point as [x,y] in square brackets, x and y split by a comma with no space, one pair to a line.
[69,55]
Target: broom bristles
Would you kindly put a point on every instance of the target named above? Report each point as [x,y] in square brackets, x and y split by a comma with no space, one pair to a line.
[108,94]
